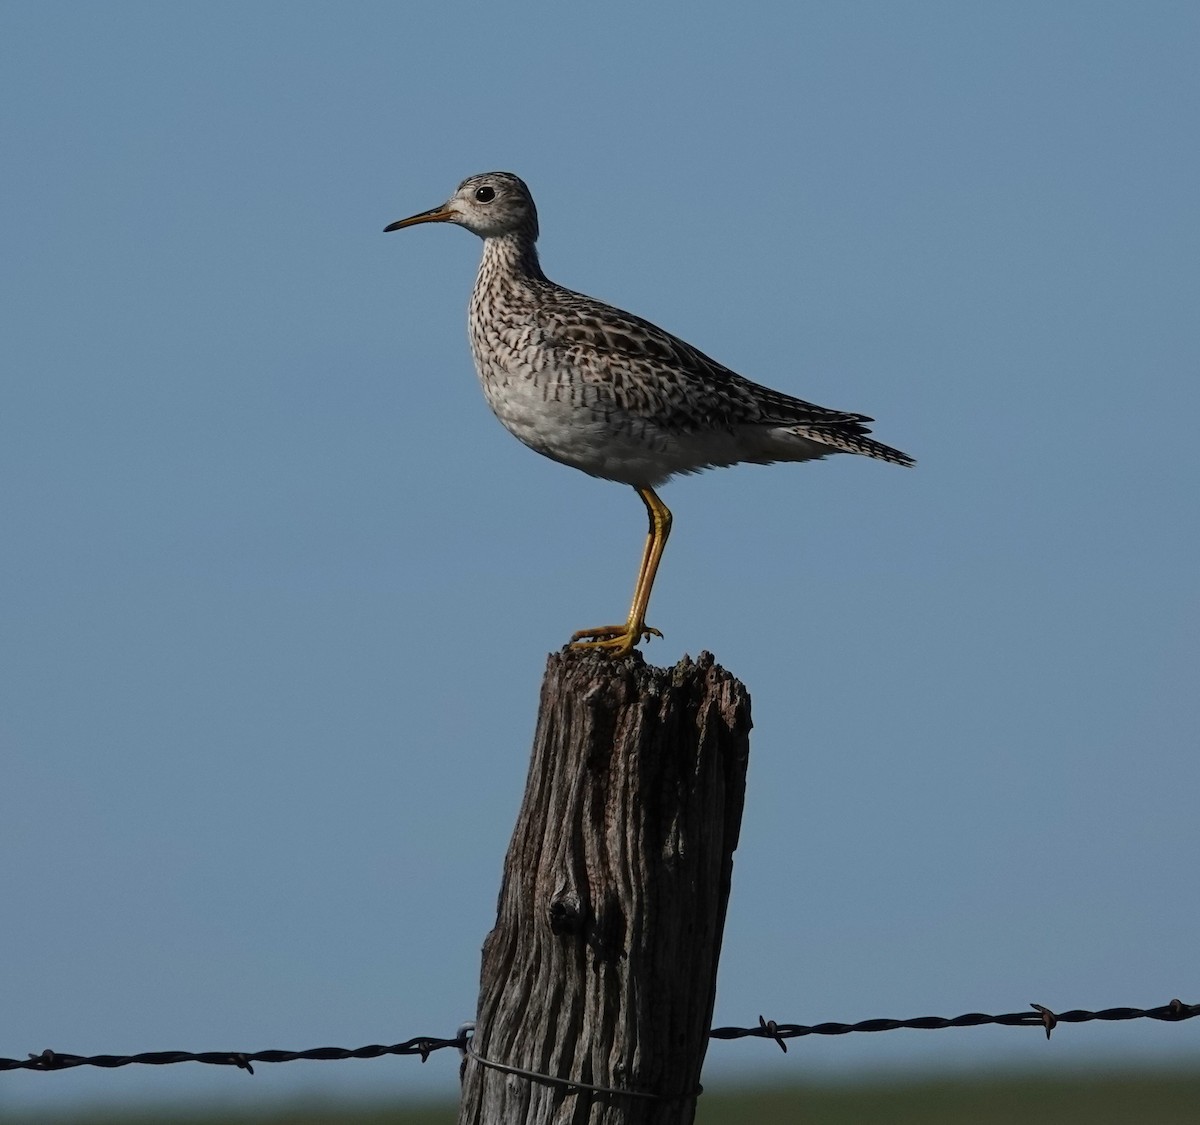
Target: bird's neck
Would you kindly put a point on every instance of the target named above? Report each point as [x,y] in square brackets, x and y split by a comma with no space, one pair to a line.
[512,257]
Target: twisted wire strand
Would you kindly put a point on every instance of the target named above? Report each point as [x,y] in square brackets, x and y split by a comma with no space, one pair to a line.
[1040,1016]
[423,1045]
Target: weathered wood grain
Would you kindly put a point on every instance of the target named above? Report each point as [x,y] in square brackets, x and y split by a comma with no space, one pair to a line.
[602,966]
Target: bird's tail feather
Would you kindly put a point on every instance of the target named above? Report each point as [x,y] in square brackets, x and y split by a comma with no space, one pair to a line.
[849,440]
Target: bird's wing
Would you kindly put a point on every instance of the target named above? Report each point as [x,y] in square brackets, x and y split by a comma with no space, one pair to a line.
[645,371]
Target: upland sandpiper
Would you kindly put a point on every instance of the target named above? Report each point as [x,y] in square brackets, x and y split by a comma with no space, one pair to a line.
[607,392]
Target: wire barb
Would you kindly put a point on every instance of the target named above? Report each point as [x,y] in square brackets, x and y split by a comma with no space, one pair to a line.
[771,1031]
[1049,1019]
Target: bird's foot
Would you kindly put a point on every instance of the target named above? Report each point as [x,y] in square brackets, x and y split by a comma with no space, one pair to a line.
[615,640]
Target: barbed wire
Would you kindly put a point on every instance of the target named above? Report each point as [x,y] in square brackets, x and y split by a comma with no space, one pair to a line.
[1041,1016]
[423,1045]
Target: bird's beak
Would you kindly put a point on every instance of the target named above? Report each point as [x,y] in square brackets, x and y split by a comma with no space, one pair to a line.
[441,214]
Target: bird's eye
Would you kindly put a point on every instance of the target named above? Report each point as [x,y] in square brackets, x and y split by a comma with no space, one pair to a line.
[485,194]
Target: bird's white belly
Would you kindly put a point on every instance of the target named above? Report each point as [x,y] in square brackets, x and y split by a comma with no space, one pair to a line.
[565,418]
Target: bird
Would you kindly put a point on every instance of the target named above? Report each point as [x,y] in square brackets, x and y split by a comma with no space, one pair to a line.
[610,393]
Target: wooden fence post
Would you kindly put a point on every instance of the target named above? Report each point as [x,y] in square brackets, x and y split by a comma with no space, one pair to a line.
[601,971]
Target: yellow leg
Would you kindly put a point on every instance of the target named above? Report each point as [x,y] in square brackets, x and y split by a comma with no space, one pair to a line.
[618,640]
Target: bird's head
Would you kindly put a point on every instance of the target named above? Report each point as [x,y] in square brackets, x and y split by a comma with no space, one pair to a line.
[490,205]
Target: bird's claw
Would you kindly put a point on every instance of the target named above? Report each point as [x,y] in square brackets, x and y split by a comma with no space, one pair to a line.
[616,640]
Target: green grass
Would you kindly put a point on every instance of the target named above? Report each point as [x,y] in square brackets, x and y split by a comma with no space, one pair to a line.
[1169,1097]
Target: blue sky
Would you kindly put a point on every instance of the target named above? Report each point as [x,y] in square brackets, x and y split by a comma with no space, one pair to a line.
[279,589]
